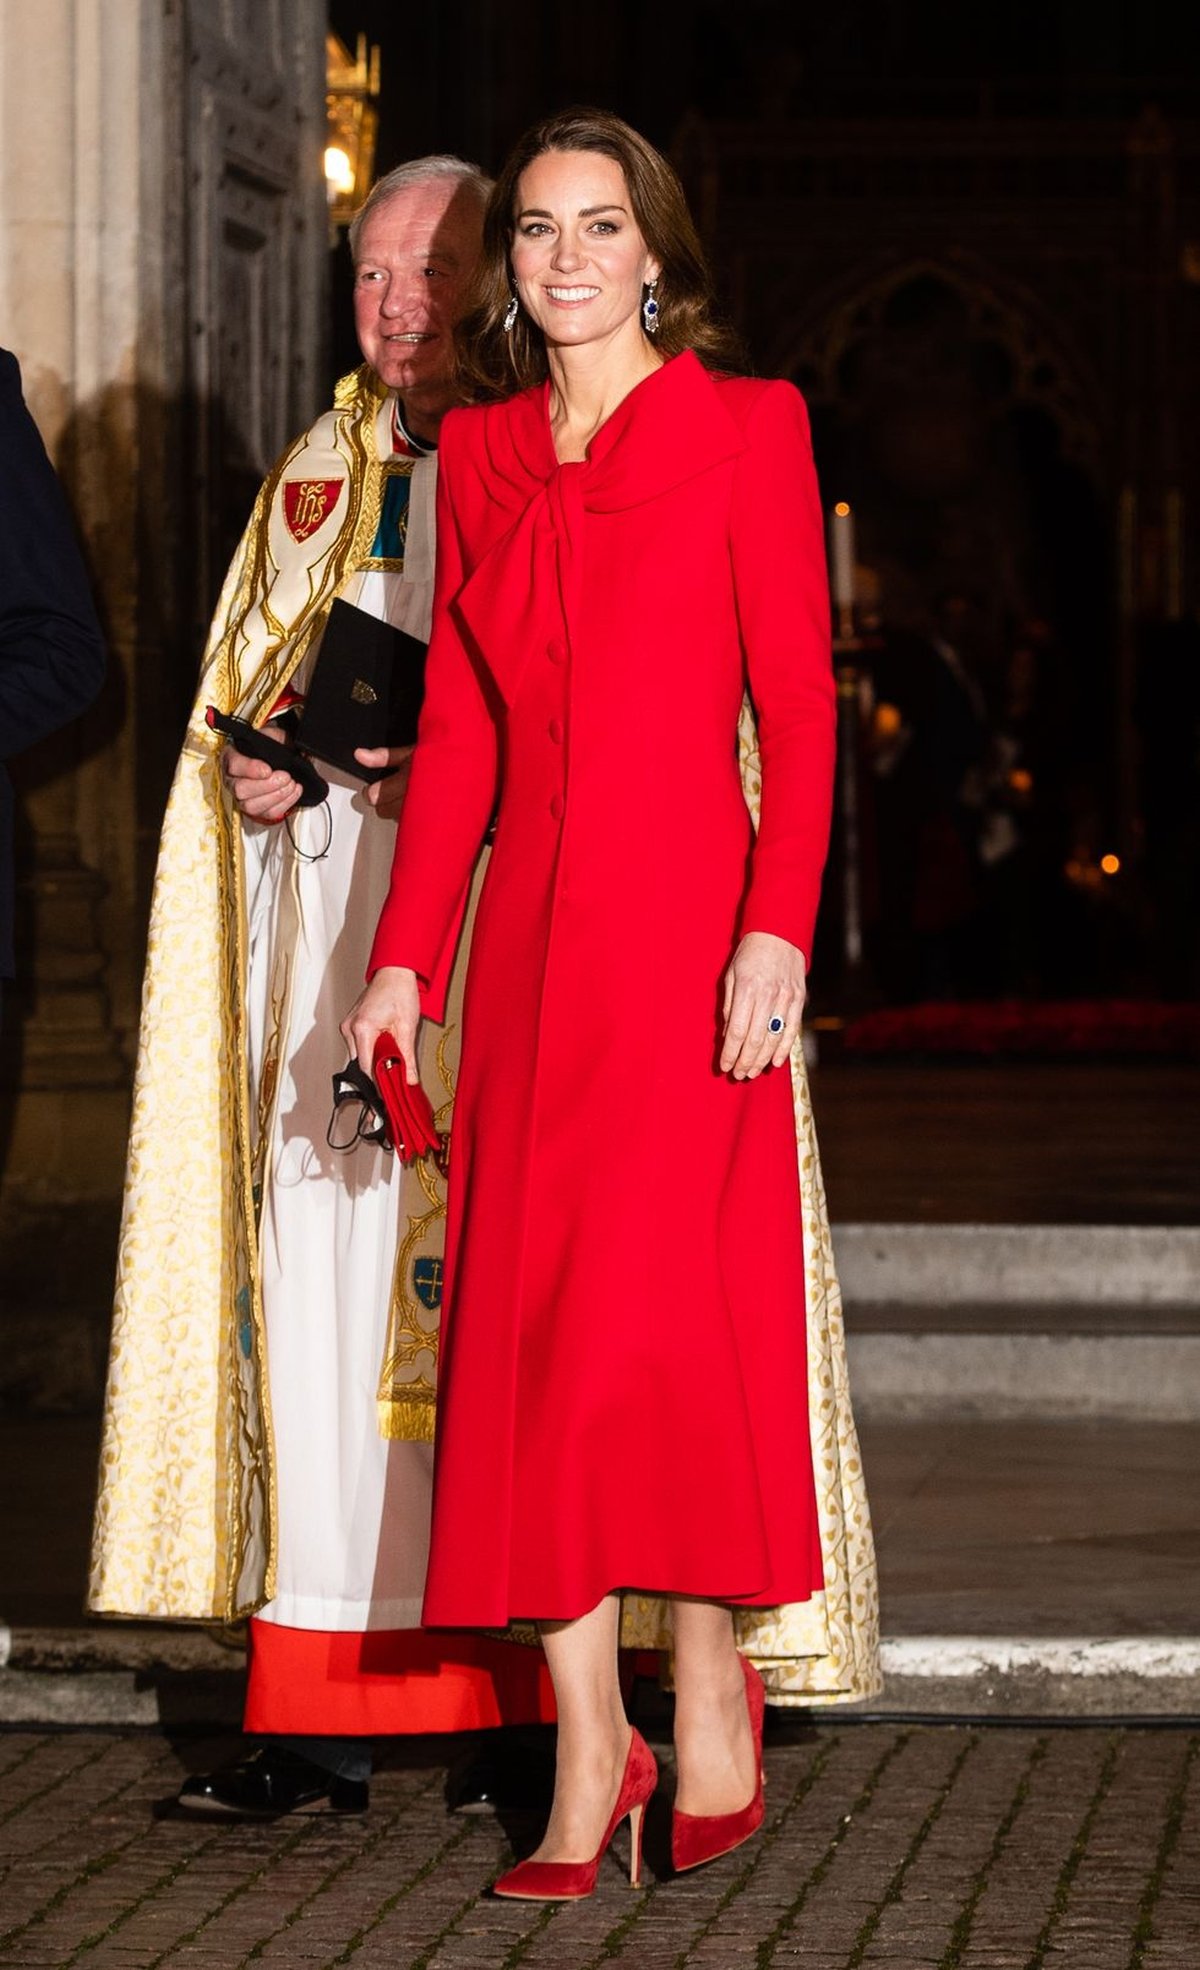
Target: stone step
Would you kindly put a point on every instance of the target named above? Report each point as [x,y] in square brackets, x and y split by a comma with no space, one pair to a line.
[1133,1362]
[120,1673]
[1040,1676]
[1023,1320]
[173,1676]
[1011,1264]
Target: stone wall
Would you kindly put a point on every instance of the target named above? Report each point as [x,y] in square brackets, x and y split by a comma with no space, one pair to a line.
[163,253]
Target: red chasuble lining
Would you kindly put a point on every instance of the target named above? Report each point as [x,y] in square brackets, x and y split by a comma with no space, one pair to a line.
[389,1682]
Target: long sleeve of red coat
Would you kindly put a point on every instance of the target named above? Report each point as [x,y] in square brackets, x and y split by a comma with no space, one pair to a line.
[778,551]
[452,789]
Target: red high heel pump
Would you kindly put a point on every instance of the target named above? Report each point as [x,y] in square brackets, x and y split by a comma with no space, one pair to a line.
[569,1881]
[700,1837]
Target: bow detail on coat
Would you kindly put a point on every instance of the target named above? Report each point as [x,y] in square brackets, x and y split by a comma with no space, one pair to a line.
[670,429]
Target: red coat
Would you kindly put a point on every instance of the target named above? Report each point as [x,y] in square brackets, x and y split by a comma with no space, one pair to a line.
[623,1388]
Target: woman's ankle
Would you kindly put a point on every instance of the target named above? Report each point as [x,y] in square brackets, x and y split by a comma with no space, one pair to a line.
[592,1756]
[715,1684]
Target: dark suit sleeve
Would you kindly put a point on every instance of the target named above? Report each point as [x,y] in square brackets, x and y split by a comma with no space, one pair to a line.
[51,649]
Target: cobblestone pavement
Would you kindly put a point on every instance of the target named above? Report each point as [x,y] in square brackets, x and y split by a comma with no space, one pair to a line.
[885,1844]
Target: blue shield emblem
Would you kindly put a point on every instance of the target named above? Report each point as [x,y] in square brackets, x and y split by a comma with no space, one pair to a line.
[427,1283]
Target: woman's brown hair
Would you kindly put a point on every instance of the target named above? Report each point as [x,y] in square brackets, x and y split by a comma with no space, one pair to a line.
[492,364]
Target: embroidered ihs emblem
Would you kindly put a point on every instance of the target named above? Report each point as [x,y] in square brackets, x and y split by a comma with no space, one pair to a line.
[307,504]
[427,1282]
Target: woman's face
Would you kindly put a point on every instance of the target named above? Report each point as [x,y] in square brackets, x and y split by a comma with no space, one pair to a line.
[579,261]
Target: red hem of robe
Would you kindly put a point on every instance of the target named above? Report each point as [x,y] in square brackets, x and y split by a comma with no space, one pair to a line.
[391,1682]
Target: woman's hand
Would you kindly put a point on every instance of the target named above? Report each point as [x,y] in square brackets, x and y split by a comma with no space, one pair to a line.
[390,1004]
[765,980]
[264,793]
[387,796]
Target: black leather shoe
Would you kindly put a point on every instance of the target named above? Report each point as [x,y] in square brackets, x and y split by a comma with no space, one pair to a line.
[268,1783]
[511,1775]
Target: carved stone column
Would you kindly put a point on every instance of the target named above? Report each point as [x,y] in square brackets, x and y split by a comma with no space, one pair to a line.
[162,260]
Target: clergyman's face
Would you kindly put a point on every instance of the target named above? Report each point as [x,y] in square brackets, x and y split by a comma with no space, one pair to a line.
[578,257]
[416,255]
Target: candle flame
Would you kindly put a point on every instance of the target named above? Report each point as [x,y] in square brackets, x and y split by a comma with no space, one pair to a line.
[842,510]
[339,172]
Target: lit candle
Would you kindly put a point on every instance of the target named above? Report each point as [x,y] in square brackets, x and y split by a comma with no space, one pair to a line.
[339,173]
[841,554]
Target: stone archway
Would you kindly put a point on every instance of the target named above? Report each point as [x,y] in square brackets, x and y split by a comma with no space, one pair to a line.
[967,438]
[967,435]
[1047,369]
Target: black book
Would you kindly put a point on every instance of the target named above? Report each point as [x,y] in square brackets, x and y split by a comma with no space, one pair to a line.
[366,689]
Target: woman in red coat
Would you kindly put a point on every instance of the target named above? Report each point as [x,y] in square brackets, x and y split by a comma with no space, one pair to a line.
[625,546]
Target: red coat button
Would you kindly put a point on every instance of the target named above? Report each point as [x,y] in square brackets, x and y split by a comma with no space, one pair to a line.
[556,650]
[556,806]
[556,730]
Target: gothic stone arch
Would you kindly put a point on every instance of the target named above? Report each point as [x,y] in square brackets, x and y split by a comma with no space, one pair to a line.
[969,435]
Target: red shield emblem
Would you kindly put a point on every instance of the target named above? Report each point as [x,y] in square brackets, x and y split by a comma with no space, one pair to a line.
[307,504]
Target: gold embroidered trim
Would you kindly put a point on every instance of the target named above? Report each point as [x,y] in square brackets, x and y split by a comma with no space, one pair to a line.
[410,1419]
[409,1371]
[407,1395]
[407,1392]
[250,1451]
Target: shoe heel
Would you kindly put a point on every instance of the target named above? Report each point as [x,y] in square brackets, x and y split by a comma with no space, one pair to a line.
[636,1818]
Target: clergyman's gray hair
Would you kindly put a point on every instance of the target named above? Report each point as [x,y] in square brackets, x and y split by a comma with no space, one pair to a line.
[418,172]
